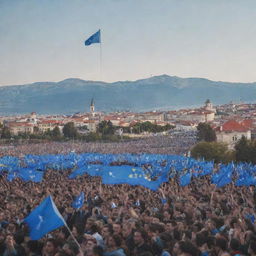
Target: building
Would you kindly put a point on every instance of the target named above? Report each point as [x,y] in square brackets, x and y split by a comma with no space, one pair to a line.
[45,125]
[17,128]
[200,116]
[114,119]
[209,106]
[186,126]
[32,118]
[232,131]
[91,125]
[152,117]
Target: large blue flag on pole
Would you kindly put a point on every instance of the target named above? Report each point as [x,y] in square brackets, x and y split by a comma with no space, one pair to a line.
[43,219]
[93,39]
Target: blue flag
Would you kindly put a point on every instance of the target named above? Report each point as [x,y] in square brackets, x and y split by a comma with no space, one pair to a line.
[245,179]
[185,179]
[79,201]
[93,39]
[92,170]
[129,175]
[223,177]
[43,219]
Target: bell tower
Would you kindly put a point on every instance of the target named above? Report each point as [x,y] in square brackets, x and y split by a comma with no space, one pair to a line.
[92,108]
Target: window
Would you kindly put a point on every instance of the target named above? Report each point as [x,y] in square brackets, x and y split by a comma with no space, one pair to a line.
[234,138]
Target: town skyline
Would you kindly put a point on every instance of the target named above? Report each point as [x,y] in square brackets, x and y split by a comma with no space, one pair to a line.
[230,121]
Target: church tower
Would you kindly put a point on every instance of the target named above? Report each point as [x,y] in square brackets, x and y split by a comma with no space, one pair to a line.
[92,109]
[208,105]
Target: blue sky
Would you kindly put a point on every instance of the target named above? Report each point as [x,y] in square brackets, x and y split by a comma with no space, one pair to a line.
[42,40]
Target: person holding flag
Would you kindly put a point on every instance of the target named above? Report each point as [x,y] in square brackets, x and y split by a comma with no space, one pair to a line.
[44,219]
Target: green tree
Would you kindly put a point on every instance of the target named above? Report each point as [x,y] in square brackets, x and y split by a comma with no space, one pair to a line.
[253,152]
[70,131]
[150,127]
[106,128]
[48,133]
[205,132]
[36,130]
[92,136]
[242,148]
[212,151]
[56,134]
[6,133]
[245,151]
[168,127]
[83,128]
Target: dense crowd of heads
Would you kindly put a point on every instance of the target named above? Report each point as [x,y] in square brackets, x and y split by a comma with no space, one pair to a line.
[174,144]
[119,220]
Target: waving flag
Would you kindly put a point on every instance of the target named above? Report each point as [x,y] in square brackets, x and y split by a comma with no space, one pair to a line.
[43,219]
[93,39]
[223,177]
[28,174]
[185,179]
[245,180]
[79,201]
[129,175]
[92,170]
[11,176]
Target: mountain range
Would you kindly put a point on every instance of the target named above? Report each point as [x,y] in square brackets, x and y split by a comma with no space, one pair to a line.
[155,93]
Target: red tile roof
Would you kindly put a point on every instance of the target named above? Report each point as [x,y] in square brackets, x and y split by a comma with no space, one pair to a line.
[134,122]
[89,121]
[107,118]
[50,122]
[233,125]
[20,124]
[248,123]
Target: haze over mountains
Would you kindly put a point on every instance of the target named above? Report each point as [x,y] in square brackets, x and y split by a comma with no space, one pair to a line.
[154,93]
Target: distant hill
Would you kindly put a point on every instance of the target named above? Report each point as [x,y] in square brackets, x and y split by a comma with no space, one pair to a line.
[155,93]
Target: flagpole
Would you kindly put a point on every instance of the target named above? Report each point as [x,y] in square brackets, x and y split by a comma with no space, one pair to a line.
[65,223]
[73,236]
[100,61]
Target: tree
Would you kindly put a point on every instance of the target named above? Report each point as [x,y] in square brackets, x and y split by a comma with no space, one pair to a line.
[69,130]
[56,134]
[150,127]
[245,151]
[6,133]
[212,151]
[48,133]
[205,132]
[36,129]
[106,128]
[253,152]
[92,136]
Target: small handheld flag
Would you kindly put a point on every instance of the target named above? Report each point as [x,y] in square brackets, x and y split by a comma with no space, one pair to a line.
[43,219]
[79,201]
[93,39]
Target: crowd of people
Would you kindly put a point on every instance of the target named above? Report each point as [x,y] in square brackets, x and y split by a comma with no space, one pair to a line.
[176,143]
[124,220]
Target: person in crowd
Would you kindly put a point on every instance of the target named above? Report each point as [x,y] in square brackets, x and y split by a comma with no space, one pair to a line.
[114,246]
